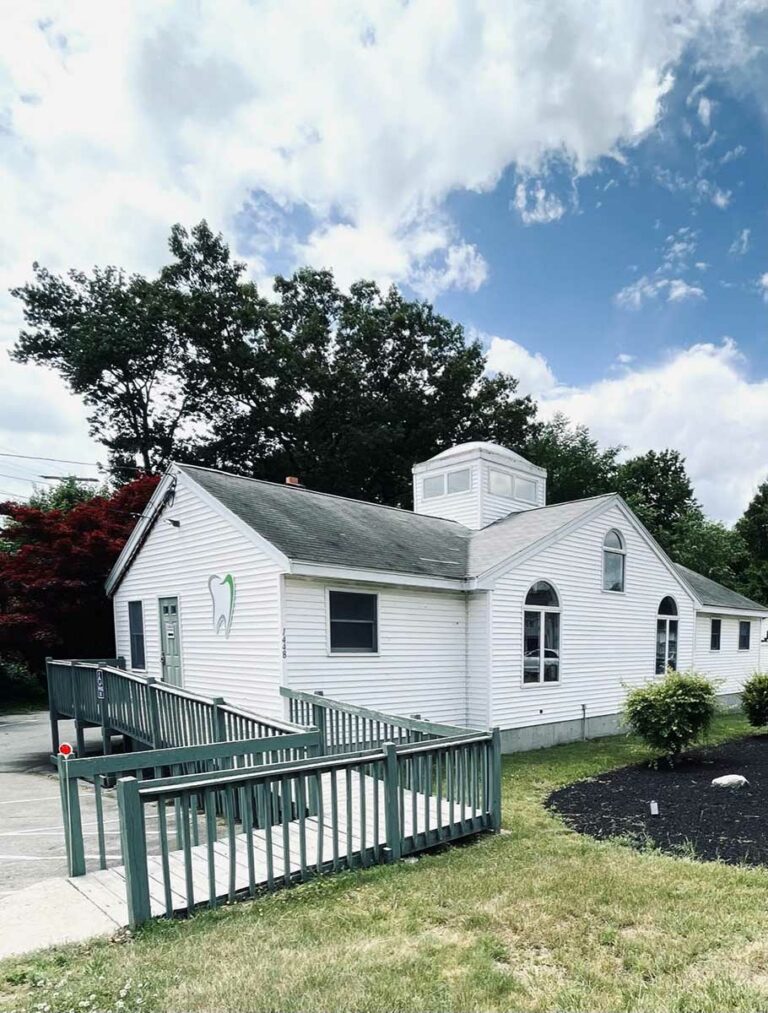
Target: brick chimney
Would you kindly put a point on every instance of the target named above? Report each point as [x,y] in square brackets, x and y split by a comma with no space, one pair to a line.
[292,480]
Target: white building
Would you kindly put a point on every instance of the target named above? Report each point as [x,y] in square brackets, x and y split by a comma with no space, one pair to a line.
[481,607]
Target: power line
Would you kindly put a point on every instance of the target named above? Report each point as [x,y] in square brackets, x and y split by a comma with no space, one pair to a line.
[56,460]
[19,478]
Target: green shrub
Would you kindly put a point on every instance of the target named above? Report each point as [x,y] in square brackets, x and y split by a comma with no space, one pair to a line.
[754,699]
[673,713]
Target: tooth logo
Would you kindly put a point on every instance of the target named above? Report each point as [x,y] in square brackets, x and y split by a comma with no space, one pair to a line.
[223,598]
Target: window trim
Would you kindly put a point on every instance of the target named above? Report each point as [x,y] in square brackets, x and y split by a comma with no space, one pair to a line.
[748,624]
[349,654]
[666,618]
[619,552]
[443,476]
[131,635]
[542,609]
[712,621]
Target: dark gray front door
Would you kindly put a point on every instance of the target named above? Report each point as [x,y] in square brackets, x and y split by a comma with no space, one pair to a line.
[170,641]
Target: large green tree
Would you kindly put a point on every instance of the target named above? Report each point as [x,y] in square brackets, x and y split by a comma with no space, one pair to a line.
[753,529]
[657,487]
[576,465]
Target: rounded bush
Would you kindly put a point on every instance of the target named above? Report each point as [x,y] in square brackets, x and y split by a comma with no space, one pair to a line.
[673,713]
[754,699]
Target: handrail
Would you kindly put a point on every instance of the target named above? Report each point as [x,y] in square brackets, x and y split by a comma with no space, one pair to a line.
[301,818]
[148,711]
[411,724]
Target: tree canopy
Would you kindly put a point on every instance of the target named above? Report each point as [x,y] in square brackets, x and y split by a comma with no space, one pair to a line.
[346,389]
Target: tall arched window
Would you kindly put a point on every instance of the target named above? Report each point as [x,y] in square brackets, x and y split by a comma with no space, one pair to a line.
[666,636]
[541,635]
[614,557]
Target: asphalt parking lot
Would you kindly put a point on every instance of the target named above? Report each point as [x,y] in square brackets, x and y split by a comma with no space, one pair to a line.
[31,829]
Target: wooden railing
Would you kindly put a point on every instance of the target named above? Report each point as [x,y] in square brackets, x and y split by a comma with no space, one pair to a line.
[100,771]
[151,713]
[301,818]
[346,727]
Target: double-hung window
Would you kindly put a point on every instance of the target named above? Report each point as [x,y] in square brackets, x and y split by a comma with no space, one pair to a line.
[136,634]
[353,622]
[541,635]
[745,629]
[715,632]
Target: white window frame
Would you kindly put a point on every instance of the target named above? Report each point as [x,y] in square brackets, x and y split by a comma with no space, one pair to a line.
[350,654]
[444,476]
[668,619]
[712,621]
[502,474]
[524,499]
[137,601]
[542,609]
[619,552]
[738,635]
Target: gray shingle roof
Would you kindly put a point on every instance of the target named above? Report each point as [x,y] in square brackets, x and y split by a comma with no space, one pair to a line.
[316,527]
[517,532]
[709,592]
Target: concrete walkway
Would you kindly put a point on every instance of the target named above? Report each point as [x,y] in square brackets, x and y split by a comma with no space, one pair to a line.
[39,906]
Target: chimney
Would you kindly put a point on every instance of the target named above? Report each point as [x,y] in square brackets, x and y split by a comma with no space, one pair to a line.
[292,480]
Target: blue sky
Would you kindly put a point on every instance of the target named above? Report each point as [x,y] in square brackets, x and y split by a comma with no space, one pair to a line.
[553,286]
[581,183]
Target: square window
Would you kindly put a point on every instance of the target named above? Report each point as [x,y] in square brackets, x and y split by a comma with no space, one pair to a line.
[353,622]
[500,484]
[433,486]
[525,490]
[458,481]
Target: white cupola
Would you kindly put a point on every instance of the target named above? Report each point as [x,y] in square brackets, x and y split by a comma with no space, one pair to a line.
[476,484]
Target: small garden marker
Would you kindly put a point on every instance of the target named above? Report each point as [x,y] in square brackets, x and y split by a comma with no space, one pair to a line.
[654,808]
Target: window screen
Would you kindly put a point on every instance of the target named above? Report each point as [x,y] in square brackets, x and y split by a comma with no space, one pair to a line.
[136,632]
[353,623]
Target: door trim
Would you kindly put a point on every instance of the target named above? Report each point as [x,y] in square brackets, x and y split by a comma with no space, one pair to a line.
[177,599]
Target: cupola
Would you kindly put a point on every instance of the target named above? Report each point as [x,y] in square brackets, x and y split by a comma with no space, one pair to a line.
[476,484]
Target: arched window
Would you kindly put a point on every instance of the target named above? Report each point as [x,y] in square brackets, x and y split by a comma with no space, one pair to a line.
[541,635]
[666,636]
[614,558]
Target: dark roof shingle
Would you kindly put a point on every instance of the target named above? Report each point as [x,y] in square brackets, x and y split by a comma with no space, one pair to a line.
[317,527]
[710,593]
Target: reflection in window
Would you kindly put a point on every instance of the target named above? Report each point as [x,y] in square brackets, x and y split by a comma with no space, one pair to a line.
[541,635]
[614,557]
[666,636]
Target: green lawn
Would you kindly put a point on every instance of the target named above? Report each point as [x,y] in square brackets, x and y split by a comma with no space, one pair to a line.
[537,918]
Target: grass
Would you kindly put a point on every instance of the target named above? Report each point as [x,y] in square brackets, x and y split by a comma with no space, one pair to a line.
[537,918]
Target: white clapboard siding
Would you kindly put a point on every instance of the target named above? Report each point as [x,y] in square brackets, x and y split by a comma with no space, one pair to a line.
[729,666]
[463,507]
[244,668]
[607,640]
[479,659]
[421,664]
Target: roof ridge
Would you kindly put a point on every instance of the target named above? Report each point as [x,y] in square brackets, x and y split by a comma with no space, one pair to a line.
[319,492]
[545,506]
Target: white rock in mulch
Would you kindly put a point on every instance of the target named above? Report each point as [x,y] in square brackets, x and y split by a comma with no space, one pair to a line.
[730,781]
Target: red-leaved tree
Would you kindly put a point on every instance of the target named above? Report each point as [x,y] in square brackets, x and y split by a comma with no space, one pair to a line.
[53,565]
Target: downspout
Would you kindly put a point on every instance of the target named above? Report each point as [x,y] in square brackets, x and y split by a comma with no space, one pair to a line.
[466,658]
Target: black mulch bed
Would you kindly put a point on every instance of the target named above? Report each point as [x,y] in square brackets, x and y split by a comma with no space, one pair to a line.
[725,824]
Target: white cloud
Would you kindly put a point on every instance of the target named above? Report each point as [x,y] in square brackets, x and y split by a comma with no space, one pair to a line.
[359,118]
[530,369]
[698,400]
[705,111]
[730,156]
[535,205]
[645,289]
[740,245]
[763,285]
